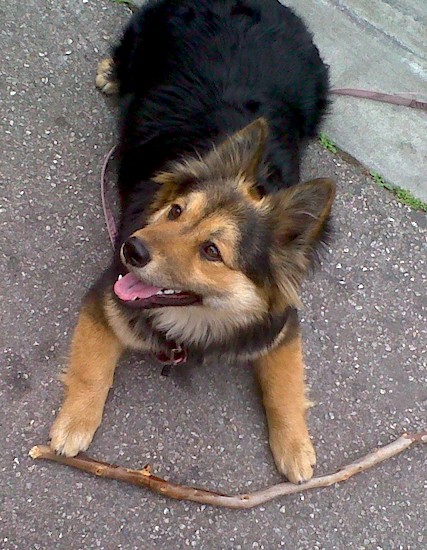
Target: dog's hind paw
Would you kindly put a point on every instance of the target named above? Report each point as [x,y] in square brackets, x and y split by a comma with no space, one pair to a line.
[105,80]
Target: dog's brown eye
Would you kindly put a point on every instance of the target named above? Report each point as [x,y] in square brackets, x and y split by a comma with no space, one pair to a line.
[211,252]
[174,212]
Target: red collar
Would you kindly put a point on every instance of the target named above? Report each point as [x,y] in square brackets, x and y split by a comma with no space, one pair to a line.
[175,355]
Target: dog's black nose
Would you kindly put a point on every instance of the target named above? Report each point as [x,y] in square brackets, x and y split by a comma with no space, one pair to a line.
[135,252]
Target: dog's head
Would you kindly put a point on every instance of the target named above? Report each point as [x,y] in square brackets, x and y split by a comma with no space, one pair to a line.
[216,253]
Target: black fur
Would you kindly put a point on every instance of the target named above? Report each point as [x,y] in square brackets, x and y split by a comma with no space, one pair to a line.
[191,73]
[194,71]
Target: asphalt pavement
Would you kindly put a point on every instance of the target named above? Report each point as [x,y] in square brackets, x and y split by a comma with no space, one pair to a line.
[364,327]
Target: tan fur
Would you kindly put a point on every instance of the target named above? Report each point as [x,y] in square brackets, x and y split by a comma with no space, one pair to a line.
[95,351]
[231,300]
[218,317]
[250,192]
[192,204]
[281,375]
[104,79]
[298,214]
[175,247]
[121,327]
[237,157]
[302,210]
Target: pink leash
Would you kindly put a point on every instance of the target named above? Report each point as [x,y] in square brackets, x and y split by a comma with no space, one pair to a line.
[394,99]
[110,220]
[176,354]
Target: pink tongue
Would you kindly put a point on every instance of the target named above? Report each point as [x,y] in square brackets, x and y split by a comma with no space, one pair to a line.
[130,287]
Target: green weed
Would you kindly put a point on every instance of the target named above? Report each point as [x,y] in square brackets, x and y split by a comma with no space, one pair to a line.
[402,195]
[327,143]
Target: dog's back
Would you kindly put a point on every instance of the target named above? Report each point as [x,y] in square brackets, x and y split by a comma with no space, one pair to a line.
[191,73]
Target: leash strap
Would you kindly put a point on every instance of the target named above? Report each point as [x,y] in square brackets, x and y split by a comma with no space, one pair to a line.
[176,354]
[394,99]
[108,213]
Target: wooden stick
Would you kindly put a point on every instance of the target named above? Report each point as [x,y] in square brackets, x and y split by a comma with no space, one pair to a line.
[144,477]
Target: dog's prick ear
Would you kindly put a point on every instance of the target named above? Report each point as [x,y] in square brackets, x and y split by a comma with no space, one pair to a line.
[239,155]
[300,212]
[242,152]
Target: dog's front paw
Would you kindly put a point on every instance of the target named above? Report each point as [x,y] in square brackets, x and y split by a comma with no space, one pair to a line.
[70,434]
[105,81]
[294,456]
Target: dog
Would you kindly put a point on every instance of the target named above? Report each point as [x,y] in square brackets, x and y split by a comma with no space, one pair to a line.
[217,99]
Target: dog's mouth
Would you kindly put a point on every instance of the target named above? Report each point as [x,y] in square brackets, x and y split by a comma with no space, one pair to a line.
[137,294]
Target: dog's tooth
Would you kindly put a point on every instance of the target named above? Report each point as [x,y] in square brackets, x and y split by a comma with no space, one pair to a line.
[169,291]
[120,277]
[136,298]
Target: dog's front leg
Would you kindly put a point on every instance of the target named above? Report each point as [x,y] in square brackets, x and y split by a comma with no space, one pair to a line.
[95,351]
[281,375]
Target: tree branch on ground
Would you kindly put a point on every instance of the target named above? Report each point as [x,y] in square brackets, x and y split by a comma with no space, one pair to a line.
[144,477]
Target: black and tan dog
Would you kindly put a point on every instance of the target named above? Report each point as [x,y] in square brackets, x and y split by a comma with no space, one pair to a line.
[217,98]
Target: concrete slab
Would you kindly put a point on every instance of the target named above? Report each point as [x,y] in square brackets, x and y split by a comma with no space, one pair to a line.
[364,327]
[380,46]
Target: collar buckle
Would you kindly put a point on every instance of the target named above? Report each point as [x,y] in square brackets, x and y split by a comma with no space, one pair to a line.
[176,355]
